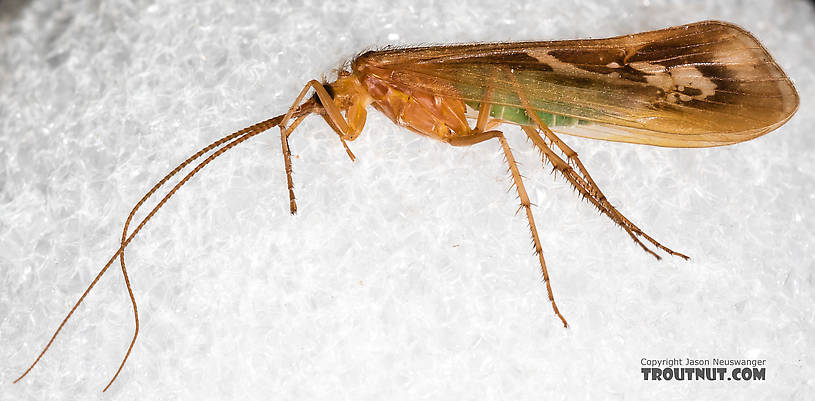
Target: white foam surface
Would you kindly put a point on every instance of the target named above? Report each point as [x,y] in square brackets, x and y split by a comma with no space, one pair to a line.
[406,274]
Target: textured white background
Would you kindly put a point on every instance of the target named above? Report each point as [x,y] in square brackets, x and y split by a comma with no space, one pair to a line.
[405,275]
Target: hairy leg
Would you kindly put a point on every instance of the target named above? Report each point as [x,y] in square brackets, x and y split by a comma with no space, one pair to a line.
[582,181]
[580,178]
[332,115]
[522,195]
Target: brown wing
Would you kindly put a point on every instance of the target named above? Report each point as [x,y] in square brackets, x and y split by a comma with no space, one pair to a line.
[705,84]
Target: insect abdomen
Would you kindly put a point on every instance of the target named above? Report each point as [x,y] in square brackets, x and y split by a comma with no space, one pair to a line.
[517,115]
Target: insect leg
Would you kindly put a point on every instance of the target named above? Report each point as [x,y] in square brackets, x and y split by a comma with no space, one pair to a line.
[473,139]
[572,157]
[332,115]
[342,136]
[484,109]
[589,190]
[583,183]
[284,141]
[582,186]
[236,136]
[525,203]
[285,131]
[224,144]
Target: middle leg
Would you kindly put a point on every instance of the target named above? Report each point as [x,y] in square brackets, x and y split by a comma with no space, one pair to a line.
[522,195]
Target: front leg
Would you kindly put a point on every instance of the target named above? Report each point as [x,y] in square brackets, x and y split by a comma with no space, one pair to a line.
[333,116]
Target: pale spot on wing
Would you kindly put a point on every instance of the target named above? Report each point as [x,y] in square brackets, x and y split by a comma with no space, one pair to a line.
[689,76]
[647,67]
[677,80]
[647,88]
[661,81]
[544,57]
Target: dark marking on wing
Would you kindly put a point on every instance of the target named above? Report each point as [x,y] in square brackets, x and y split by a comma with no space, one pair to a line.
[702,84]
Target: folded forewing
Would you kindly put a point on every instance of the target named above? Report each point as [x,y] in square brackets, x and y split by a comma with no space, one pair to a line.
[704,84]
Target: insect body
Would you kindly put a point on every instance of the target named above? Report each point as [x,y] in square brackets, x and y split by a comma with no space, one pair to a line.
[704,84]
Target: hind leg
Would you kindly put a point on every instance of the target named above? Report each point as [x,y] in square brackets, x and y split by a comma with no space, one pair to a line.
[580,178]
[582,181]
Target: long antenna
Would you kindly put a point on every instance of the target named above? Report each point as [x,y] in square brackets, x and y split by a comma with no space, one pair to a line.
[225,143]
[262,126]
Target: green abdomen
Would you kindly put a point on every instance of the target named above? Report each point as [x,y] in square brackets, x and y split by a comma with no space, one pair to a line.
[519,116]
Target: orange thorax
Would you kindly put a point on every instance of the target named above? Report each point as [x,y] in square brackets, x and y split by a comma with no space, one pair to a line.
[430,115]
